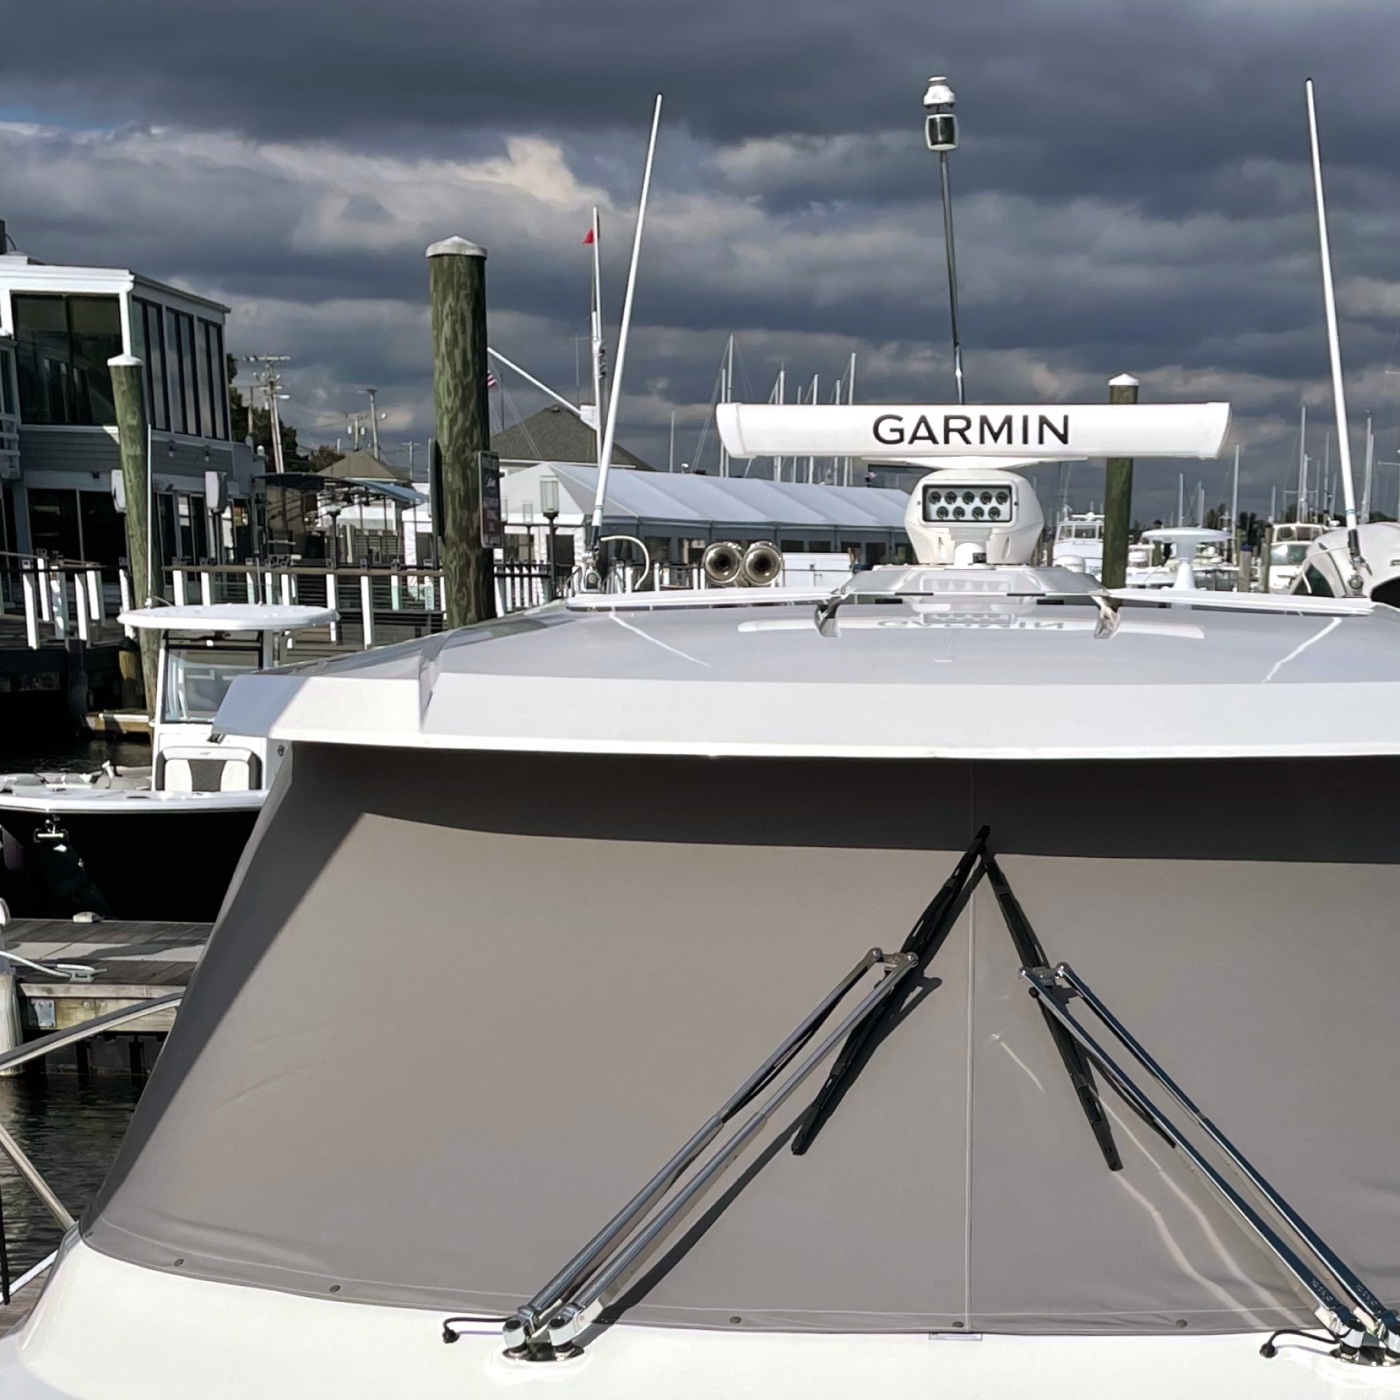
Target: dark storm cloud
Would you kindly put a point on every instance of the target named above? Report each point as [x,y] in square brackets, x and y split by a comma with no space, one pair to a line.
[1132,186]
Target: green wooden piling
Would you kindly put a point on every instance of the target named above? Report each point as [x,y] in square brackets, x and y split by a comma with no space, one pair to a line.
[128,394]
[457,289]
[1118,497]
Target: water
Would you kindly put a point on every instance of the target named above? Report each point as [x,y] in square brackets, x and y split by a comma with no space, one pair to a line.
[71,1131]
[37,754]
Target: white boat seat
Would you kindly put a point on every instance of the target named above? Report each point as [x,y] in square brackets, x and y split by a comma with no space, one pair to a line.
[207,768]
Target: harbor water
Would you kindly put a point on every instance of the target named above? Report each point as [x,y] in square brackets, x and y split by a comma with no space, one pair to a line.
[70,1127]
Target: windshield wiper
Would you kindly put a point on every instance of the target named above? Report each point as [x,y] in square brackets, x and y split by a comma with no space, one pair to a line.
[1033,960]
[925,939]
[548,1325]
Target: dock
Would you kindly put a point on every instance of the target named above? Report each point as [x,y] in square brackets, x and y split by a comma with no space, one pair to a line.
[122,963]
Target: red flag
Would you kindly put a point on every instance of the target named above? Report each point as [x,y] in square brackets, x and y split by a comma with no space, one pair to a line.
[588,237]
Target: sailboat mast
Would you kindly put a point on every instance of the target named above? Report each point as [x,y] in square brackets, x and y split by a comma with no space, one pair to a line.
[597,338]
[1369,472]
[1302,463]
[1334,350]
[726,395]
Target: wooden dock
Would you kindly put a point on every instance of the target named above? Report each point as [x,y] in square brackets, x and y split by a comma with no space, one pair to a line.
[125,963]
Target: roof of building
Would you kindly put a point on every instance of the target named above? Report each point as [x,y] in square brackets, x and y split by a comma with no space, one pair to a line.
[362,465]
[701,503]
[556,435]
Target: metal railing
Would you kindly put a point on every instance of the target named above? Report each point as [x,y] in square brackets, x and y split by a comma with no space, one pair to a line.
[29,1173]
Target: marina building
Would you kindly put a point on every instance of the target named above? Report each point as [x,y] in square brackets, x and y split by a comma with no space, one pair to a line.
[59,325]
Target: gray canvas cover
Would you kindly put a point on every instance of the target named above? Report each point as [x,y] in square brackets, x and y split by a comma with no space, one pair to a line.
[460,1007]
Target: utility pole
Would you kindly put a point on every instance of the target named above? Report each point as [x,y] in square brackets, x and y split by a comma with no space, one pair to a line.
[1118,495]
[457,289]
[373,423]
[671,457]
[269,378]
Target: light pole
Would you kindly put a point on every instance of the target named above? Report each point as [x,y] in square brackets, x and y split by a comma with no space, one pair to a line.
[549,508]
[941,135]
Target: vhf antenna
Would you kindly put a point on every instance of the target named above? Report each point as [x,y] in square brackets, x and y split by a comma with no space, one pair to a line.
[941,134]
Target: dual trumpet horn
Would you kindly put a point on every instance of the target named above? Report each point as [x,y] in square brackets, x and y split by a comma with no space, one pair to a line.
[727,563]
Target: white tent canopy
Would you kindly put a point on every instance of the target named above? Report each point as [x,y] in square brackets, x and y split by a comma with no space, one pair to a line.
[692,505]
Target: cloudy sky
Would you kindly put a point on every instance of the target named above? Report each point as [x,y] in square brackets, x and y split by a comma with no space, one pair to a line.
[1132,193]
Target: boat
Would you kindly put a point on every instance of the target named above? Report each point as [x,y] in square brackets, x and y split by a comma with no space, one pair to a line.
[1288,546]
[694,933]
[157,842]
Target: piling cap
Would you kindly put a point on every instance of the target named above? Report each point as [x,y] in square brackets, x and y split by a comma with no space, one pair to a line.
[1122,381]
[124,362]
[456,247]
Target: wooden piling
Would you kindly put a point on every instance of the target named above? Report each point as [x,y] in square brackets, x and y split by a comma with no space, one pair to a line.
[128,394]
[1118,496]
[457,288]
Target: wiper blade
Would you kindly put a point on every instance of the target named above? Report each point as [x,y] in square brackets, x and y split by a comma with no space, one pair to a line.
[1033,960]
[924,940]
[550,1323]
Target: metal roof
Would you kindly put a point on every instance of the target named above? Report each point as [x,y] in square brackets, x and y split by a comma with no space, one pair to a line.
[685,501]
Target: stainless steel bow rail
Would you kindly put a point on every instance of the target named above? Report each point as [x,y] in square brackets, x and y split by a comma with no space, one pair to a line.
[33,1050]
[1364,1329]
[547,1327]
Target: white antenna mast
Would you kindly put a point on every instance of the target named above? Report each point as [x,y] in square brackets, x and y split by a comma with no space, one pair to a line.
[1334,350]
[610,433]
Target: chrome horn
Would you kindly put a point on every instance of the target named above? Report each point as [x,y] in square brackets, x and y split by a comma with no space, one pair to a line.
[723,562]
[763,564]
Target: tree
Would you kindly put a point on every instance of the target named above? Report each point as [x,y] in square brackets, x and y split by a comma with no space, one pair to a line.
[323,458]
[261,429]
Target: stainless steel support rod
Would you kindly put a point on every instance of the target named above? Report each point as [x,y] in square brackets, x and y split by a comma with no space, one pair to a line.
[1380,1319]
[56,1040]
[576,1316]
[952,259]
[1327,1307]
[31,1174]
[558,1288]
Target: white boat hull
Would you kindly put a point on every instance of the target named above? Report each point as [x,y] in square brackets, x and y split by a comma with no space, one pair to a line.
[109,1330]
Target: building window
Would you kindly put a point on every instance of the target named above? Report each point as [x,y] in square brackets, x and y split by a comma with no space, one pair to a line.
[53,522]
[183,365]
[215,397]
[7,383]
[148,328]
[63,344]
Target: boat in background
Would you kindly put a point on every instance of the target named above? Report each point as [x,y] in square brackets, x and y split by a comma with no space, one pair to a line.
[157,842]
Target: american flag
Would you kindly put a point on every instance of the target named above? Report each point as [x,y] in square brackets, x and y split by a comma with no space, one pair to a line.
[491,380]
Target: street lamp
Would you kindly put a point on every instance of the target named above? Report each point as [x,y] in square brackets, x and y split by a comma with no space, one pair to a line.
[941,135]
[549,508]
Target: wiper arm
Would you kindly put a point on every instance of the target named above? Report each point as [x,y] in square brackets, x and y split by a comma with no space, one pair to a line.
[924,940]
[1033,960]
[547,1326]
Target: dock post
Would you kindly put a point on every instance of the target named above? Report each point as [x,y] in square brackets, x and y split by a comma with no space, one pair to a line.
[133,438]
[95,601]
[177,576]
[1118,496]
[80,602]
[457,289]
[1244,575]
[206,587]
[75,679]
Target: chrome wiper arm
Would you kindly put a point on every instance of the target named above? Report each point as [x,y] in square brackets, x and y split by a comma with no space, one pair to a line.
[569,1303]
[923,942]
[1381,1321]
[1379,1332]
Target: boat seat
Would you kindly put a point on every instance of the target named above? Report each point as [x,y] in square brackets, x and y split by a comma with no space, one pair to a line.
[208,768]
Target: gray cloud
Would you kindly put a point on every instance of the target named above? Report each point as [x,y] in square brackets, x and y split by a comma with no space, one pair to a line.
[1132,189]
